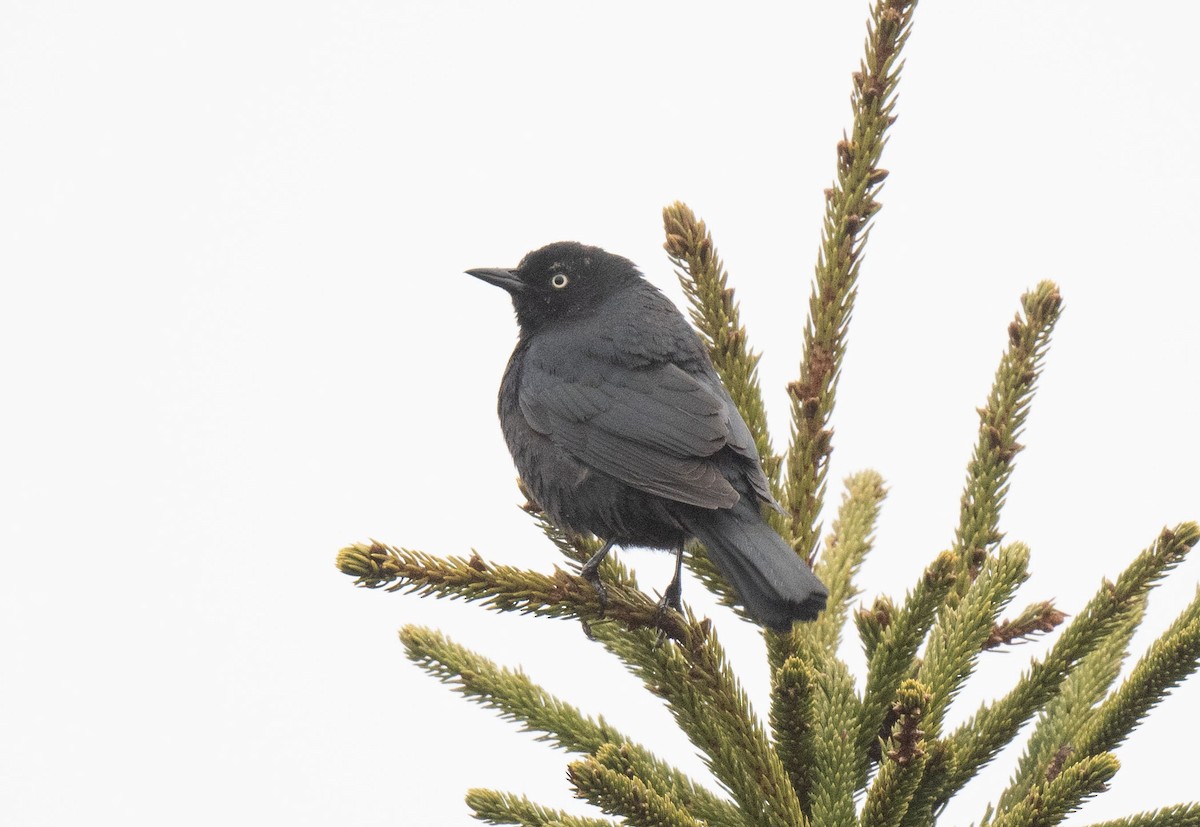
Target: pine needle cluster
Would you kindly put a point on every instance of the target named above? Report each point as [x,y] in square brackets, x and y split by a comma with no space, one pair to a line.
[831,753]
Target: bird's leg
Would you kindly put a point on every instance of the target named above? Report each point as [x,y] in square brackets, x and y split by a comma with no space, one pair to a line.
[671,598]
[591,573]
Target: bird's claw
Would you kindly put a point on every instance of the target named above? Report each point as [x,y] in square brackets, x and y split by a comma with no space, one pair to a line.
[673,597]
[670,600]
[591,573]
[593,577]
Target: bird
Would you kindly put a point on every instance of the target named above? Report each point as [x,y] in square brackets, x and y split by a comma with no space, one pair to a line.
[619,426]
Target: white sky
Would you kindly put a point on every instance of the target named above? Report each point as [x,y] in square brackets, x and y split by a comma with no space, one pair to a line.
[236,337]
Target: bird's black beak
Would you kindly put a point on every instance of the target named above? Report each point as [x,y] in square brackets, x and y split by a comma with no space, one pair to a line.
[500,277]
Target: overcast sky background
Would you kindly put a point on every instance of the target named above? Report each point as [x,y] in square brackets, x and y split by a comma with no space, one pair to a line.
[235,336]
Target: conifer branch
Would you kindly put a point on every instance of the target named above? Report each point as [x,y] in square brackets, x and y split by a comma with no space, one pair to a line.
[693,677]
[903,760]
[939,767]
[1037,618]
[871,623]
[836,710]
[602,780]
[637,763]
[670,678]
[1001,421]
[1180,815]
[1170,659]
[1071,709]
[846,546]
[893,658]
[957,638]
[715,314]
[701,707]
[519,699]
[987,484]
[795,717]
[505,588]
[1050,802]
[792,718]
[492,807]
[954,647]
[711,707]
[978,740]
[509,692]
[850,207]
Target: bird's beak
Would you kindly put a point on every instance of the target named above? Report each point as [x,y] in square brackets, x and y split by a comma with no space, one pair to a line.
[500,277]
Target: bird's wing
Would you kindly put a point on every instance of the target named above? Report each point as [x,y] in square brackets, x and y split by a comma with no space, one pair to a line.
[742,442]
[654,428]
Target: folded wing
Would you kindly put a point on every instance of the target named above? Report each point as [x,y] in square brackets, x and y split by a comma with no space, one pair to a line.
[656,429]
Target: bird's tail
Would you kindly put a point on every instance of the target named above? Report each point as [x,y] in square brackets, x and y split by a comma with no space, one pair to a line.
[773,584]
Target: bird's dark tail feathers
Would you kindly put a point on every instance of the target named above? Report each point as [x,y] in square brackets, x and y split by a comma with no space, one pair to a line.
[772,583]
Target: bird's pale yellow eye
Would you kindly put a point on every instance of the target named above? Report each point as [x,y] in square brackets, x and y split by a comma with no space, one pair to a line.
[559,280]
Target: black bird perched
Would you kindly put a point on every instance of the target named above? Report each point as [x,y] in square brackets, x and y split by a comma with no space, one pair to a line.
[620,427]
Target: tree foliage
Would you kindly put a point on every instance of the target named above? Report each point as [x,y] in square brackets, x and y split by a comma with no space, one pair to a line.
[831,753]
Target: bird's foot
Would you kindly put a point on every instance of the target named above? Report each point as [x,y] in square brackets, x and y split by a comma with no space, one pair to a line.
[670,600]
[587,629]
[591,573]
[593,577]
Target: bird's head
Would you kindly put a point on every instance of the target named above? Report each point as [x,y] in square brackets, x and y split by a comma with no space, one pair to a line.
[560,281]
